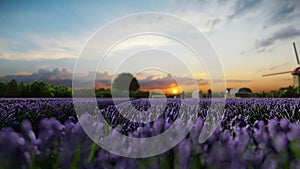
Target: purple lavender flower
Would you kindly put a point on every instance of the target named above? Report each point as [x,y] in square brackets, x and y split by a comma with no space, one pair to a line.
[12,149]
[184,152]
[284,124]
[280,142]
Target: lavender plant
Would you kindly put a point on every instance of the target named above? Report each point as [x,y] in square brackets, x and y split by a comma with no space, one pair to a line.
[254,133]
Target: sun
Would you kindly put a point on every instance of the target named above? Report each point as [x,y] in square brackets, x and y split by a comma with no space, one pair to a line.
[175,91]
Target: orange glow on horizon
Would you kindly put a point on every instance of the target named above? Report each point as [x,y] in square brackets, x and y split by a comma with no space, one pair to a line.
[256,84]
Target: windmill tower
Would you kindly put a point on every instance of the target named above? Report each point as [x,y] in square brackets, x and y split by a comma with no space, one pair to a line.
[294,72]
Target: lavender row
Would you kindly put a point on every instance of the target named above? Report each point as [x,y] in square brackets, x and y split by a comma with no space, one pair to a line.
[56,145]
[254,133]
[13,110]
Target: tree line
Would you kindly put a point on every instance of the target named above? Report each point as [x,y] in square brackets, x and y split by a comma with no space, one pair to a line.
[36,89]
[12,89]
[284,92]
[33,89]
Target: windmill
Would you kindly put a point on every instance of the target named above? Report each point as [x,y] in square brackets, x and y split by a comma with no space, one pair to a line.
[294,72]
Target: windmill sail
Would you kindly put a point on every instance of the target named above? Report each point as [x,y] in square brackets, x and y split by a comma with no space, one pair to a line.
[272,74]
[295,72]
[296,53]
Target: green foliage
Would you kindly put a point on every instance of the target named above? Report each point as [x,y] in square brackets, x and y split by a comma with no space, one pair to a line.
[40,89]
[92,153]
[103,93]
[76,158]
[295,148]
[34,89]
[139,94]
[2,89]
[196,161]
[168,161]
[11,88]
[62,91]
[284,92]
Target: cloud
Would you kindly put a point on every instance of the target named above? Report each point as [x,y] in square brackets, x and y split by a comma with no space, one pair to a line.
[165,82]
[143,41]
[286,33]
[285,79]
[279,66]
[104,79]
[243,6]
[54,76]
[213,23]
[59,76]
[168,82]
[154,82]
[104,75]
[31,47]
[284,11]
[237,81]
[8,66]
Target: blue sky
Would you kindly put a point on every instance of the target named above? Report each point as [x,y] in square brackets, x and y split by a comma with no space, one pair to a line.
[252,37]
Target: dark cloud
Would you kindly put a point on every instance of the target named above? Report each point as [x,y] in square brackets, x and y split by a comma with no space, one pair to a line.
[237,81]
[285,11]
[285,79]
[243,6]
[54,76]
[223,1]
[203,82]
[169,81]
[265,50]
[166,82]
[151,82]
[99,84]
[59,76]
[274,12]
[15,66]
[212,23]
[279,66]
[286,33]
[231,81]
[103,79]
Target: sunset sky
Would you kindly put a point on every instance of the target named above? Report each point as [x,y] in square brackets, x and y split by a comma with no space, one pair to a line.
[251,37]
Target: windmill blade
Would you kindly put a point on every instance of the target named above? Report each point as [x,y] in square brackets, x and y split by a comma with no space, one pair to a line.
[276,73]
[296,53]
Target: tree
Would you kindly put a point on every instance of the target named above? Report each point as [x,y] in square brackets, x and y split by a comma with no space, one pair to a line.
[288,92]
[12,88]
[62,91]
[126,81]
[21,90]
[209,94]
[2,89]
[41,89]
[103,93]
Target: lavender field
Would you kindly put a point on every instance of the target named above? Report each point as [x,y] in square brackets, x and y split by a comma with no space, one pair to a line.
[254,133]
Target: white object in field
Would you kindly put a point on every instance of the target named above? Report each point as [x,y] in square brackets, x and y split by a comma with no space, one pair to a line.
[238,92]
[195,94]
